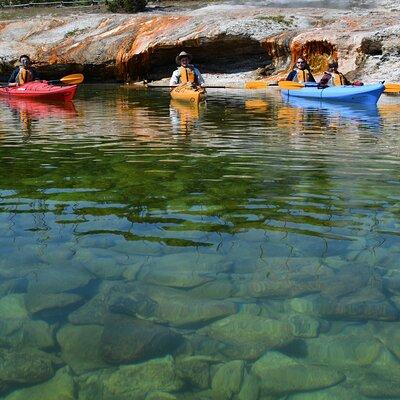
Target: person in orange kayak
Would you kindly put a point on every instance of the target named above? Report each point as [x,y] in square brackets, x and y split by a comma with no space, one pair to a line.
[186,73]
[24,73]
[301,73]
[333,77]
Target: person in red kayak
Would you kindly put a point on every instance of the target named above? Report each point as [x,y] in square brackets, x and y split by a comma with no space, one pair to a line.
[24,73]
[301,73]
[333,77]
[186,72]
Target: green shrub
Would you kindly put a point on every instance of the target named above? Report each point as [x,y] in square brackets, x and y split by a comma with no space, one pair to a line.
[128,6]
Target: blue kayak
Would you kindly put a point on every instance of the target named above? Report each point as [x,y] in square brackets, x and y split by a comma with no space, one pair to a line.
[367,94]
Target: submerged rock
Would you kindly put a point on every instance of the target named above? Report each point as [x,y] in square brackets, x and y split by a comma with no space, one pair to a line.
[60,387]
[249,335]
[218,289]
[133,304]
[50,302]
[382,379]
[104,264]
[344,351]
[339,392]
[367,304]
[24,367]
[279,374]
[179,308]
[19,333]
[17,285]
[131,381]
[158,395]
[183,271]
[389,335]
[125,339]
[195,370]
[391,281]
[58,280]
[227,380]
[96,309]
[81,347]
[12,306]
[304,326]
[250,388]
[92,312]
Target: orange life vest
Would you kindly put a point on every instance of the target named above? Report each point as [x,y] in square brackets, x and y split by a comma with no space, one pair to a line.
[188,75]
[338,79]
[24,76]
[302,75]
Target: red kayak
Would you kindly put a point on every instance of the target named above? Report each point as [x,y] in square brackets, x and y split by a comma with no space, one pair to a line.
[40,90]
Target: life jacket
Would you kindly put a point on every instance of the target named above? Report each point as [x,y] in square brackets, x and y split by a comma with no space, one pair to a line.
[338,79]
[24,76]
[188,75]
[302,75]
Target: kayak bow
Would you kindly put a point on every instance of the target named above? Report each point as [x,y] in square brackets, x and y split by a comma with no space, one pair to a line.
[185,93]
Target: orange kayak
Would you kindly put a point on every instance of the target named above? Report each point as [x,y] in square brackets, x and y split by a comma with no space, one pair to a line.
[40,90]
[187,93]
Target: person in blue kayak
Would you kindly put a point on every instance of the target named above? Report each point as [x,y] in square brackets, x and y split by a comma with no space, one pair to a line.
[333,77]
[301,73]
[24,73]
[186,72]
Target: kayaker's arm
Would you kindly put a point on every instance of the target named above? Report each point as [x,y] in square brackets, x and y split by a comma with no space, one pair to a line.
[310,77]
[200,79]
[175,78]
[35,75]
[291,76]
[323,83]
[12,81]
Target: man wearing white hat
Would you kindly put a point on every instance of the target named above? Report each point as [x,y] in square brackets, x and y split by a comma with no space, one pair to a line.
[186,73]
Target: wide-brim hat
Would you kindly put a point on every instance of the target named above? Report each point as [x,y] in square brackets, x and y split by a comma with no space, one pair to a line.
[181,55]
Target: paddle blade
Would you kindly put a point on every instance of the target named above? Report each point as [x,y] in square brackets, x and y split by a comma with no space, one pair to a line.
[256,84]
[392,87]
[73,79]
[290,85]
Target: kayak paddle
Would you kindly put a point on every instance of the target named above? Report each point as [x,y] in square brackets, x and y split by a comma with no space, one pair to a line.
[174,86]
[290,85]
[73,79]
[260,84]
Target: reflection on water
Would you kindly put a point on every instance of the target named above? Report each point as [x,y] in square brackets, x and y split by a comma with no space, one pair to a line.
[185,116]
[329,113]
[244,249]
[26,111]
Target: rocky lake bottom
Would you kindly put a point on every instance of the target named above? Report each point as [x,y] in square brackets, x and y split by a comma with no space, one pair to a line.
[245,249]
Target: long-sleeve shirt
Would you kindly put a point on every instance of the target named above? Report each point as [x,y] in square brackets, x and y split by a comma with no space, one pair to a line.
[176,77]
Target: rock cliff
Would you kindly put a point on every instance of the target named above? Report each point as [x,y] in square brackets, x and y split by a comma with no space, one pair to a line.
[224,39]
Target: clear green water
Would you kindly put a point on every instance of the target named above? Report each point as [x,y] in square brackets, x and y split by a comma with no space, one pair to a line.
[257,239]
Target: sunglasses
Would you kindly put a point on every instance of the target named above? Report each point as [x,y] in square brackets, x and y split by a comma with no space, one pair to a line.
[301,62]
